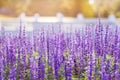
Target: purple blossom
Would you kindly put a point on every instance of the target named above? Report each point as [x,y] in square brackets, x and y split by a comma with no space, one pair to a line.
[90,53]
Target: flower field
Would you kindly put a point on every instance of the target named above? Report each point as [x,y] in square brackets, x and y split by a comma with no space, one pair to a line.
[91,53]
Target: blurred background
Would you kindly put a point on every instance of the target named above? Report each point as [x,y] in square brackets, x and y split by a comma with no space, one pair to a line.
[36,14]
[69,8]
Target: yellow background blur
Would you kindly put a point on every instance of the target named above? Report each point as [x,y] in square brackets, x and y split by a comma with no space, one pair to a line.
[69,8]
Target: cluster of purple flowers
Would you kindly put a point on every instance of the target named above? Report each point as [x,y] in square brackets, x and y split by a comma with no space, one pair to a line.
[92,53]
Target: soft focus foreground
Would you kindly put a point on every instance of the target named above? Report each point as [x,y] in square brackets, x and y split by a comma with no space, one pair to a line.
[91,52]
